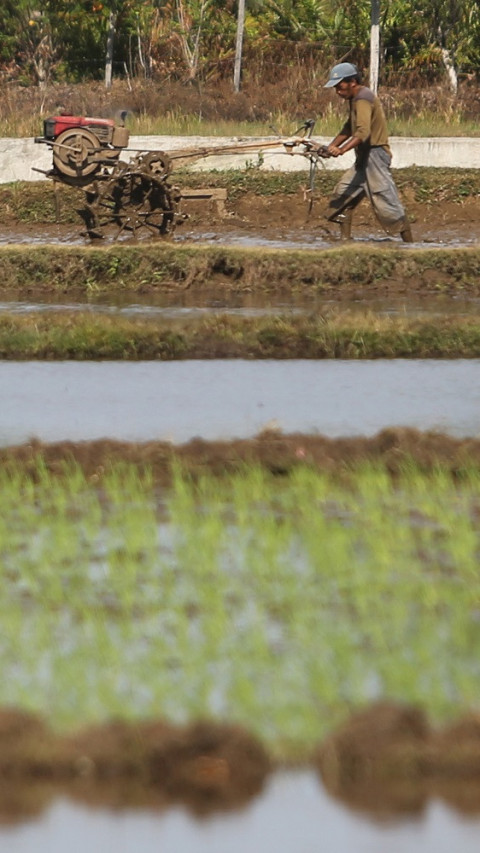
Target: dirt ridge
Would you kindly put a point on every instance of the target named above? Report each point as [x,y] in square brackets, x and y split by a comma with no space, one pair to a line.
[277,452]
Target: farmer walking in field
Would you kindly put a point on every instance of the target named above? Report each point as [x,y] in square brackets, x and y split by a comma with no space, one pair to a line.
[365,132]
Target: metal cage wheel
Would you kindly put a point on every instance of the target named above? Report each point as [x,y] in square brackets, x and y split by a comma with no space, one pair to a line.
[132,200]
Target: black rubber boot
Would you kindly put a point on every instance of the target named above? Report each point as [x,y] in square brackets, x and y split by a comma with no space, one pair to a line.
[346,225]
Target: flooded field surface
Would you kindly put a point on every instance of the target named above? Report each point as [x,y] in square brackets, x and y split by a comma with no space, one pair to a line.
[301,240]
[229,235]
[40,235]
[203,303]
[293,815]
[221,399]
[164,312]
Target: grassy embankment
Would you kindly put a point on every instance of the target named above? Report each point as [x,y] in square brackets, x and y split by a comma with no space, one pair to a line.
[50,336]
[216,598]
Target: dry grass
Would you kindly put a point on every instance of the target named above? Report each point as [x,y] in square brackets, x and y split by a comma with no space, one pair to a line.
[294,94]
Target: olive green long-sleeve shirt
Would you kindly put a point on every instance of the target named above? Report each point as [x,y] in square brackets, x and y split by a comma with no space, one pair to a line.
[367,122]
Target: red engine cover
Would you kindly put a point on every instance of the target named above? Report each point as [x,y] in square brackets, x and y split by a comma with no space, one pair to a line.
[66,122]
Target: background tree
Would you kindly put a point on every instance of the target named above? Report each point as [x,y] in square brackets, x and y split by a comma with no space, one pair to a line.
[26,39]
[433,35]
[195,39]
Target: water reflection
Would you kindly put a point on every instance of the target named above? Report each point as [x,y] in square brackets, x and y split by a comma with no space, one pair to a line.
[294,815]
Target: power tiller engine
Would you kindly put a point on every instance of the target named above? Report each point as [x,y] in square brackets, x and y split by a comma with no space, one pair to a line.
[82,146]
[127,195]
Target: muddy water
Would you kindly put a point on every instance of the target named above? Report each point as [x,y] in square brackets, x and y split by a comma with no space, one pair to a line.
[218,399]
[305,240]
[192,305]
[293,815]
[146,309]
[453,237]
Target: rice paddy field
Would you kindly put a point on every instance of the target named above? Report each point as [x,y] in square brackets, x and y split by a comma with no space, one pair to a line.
[180,620]
[279,603]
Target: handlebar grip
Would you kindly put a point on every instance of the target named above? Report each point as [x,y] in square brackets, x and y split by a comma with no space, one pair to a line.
[323,151]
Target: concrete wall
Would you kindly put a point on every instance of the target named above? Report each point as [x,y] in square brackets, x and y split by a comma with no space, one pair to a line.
[20,157]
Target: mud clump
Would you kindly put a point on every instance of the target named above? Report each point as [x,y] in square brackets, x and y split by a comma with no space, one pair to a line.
[373,762]
[27,746]
[387,760]
[375,743]
[210,763]
[27,755]
[456,748]
[205,765]
[454,764]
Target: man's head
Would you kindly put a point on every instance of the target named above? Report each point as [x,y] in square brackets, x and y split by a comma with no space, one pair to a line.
[345,77]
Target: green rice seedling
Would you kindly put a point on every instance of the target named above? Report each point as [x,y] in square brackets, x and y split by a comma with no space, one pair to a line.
[279,602]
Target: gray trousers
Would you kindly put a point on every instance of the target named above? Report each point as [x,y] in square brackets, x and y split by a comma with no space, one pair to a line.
[372,179]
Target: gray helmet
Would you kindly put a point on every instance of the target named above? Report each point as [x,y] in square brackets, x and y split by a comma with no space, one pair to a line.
[339,72]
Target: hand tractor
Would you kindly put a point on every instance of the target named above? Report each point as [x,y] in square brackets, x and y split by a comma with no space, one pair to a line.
[136,194]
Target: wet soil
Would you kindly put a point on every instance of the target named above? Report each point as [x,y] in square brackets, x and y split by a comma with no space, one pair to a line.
[205,766]
[289,218]
[281,219]
[387,759]
[265,244]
